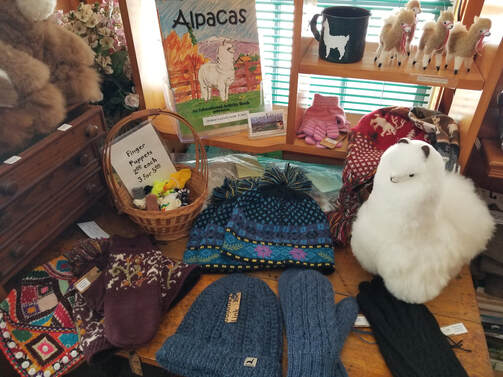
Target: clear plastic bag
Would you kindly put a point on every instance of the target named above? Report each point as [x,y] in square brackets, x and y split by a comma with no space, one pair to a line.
[326,179]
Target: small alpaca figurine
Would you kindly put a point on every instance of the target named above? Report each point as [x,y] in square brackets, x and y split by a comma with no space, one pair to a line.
[218,75]
[338,42]
[415,6]
[434,39]
[420,224]
[393,38]
[463,44]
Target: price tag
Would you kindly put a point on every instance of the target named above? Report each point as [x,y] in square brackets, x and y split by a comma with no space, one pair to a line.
[64,127]
[361,321]
[12,160]
[85,281]
[455,329]
[135,364]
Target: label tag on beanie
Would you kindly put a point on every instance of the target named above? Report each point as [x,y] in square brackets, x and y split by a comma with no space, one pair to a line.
[135,364]
[250,362]
[85,281]
[455,329]
[231,316]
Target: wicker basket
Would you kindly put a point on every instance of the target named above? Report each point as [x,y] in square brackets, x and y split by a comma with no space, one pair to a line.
[164,226]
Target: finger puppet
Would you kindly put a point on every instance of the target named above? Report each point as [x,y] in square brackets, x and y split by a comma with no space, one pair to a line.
[415,6]
[325,118]
[464,44]
[434,39]
[393,37]
[25,27]
[420,224]
[177,180]
[169,202]
[29,103]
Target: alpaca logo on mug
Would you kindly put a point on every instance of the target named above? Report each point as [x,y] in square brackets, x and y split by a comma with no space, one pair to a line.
[343,32]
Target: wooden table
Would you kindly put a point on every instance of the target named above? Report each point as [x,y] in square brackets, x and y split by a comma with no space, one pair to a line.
[457,303]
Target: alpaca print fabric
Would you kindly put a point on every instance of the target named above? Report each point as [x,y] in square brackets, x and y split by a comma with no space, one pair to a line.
[373,134]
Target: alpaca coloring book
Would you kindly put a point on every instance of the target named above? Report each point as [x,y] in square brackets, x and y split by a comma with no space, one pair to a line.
[213,59]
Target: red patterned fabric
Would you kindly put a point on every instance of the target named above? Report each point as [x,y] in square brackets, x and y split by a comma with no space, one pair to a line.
[374,133]
[37,334]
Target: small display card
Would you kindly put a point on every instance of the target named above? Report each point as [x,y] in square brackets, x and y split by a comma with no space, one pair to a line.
[92,230]
[266,124]
[139,158]
[455,329]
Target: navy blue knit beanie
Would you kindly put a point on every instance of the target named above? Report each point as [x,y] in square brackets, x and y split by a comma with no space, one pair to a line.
[207,233]
[234,328]
[316,327]
[279,224]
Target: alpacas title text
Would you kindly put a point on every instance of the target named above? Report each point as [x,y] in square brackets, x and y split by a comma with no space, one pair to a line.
[220,17]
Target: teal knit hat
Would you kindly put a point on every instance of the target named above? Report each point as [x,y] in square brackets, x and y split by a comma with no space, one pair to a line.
[207,233]
[279,224]
[234,328]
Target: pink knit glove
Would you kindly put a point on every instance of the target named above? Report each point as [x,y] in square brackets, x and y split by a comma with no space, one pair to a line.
[325,118]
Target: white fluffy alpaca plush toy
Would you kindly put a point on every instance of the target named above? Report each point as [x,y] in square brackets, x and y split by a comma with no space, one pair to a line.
[420,224]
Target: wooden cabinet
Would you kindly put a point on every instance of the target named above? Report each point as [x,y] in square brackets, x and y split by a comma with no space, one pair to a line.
[52,184]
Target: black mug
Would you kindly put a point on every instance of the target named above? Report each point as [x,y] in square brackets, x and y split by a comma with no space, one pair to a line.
[343,32]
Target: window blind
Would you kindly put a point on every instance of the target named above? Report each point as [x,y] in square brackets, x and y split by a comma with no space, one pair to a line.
[275,24]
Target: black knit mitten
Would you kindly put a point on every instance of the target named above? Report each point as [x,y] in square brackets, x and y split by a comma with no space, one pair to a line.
[408,335]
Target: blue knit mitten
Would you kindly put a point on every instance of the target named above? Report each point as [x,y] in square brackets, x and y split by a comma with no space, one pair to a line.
[316,327]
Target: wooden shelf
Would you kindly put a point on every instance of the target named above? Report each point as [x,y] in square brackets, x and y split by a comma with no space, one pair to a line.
[494,158]
[241,142]
[310,63]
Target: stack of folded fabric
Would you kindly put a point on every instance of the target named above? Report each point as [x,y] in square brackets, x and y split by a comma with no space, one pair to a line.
[374,133]
[263,223]
[122,307]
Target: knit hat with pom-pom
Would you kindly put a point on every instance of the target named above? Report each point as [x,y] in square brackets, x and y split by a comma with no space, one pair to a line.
[234,328]
[279,224]
[207,233]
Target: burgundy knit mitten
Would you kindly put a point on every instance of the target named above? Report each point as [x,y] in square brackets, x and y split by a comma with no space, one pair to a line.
[84,256]
[178,279]
[133,289]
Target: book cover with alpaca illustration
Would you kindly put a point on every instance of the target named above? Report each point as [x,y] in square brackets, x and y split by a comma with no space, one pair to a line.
[213,60]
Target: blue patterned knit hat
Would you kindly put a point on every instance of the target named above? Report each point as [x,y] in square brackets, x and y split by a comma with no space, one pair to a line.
[207,233]
[234,328]
[278,224]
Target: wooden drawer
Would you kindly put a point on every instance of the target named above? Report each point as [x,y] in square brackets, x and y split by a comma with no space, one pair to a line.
[20,250]
[49,154]
[45,193]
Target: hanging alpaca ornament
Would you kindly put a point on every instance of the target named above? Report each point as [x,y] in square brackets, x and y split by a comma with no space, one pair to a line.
[415,6]
[393,37]
[434,39]
[464,44]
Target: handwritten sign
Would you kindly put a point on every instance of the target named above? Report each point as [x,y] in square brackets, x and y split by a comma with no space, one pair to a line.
[140,158]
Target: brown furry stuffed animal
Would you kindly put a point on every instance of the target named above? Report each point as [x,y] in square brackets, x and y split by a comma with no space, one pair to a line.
[393,37]
[463,45]
[415,6]
[24,25]
[29,103]
[434,39]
